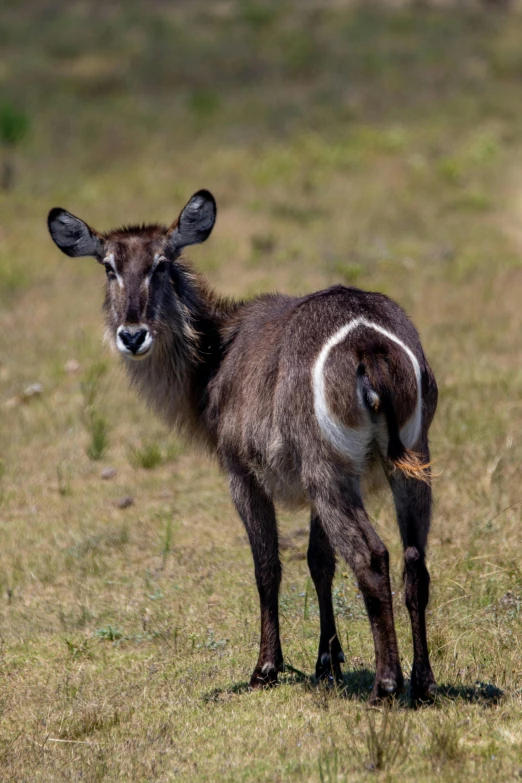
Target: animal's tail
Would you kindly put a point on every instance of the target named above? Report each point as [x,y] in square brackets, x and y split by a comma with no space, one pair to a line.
[378,398]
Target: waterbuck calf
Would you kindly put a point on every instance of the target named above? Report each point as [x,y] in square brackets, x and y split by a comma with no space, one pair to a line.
[300,398]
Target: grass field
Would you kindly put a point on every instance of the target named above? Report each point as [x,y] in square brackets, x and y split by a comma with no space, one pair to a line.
[343,143]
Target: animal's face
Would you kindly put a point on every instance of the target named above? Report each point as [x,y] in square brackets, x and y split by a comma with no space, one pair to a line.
[138,283]
[140,267]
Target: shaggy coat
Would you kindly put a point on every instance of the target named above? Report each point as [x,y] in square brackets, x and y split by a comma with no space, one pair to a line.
[300,398]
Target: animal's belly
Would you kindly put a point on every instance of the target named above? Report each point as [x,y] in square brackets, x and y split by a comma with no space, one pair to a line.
[284,489]
[279,474]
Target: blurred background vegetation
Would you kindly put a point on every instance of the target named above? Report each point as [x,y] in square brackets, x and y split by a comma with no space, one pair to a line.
[372,143]
[302,94]
[280,107]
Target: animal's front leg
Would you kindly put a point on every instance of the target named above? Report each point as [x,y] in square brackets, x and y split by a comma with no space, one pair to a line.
[257,512]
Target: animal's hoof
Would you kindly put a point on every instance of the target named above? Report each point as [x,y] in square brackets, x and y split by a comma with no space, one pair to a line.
[264,676]
[329,670]
[423,692]
[385,688]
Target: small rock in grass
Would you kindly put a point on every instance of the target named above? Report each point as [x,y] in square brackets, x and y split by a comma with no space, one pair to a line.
[124,502]
[34,390]
[108,473]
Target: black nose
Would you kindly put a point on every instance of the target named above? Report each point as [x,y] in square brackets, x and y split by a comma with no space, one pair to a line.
[133,340]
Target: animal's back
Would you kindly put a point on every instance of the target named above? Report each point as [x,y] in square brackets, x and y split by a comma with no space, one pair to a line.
[290,392]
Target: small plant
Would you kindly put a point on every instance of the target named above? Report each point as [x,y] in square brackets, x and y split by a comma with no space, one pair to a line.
[14,125]
[148,456]
[151,454]
[98,428]
[95,423]
[387,743]
[109,632]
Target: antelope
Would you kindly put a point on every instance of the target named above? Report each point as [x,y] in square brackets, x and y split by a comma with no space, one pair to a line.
[300,399]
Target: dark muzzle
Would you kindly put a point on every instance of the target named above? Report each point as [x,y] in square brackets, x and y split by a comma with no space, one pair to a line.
[133,340]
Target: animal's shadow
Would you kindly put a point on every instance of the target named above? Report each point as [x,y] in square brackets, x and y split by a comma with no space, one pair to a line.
[357,685]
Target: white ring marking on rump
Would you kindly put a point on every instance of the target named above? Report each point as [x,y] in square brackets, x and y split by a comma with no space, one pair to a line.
[354,442]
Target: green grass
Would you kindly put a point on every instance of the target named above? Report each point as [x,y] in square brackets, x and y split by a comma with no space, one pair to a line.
[344,143]
[98,429]
[95,423]
[151,453]
[148,456]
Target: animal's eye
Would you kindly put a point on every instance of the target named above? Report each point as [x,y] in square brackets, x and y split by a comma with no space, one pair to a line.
[110,272]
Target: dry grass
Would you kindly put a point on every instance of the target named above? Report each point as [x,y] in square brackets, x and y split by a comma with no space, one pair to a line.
[343,144]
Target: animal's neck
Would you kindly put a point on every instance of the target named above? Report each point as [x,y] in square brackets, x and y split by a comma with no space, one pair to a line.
[187,352]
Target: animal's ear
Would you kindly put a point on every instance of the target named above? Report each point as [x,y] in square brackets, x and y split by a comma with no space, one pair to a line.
[195,222]
[72,235]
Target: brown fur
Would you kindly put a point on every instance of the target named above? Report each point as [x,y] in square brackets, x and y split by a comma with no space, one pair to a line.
[238,378]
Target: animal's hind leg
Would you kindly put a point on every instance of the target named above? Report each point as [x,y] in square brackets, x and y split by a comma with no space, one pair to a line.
[347,526]
[413,505]
[258,515]
[321,561]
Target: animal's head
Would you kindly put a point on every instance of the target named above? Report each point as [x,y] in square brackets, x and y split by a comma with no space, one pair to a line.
[140,263]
